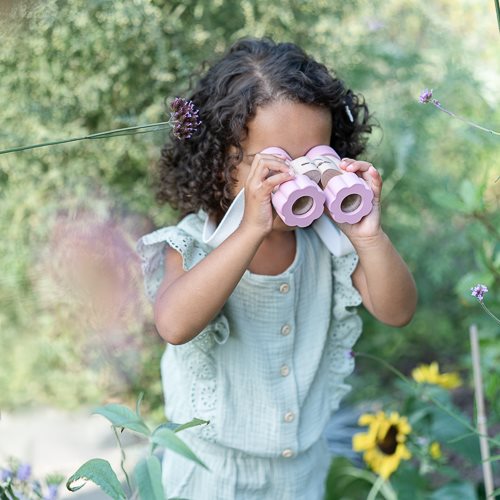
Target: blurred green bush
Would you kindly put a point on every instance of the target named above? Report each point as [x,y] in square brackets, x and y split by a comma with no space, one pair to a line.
[75,67]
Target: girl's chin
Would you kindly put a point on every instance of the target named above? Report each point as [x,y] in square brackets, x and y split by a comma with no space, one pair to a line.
[279,225]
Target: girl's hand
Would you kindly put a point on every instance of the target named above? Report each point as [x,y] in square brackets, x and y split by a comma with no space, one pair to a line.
[369,226]
[267,172]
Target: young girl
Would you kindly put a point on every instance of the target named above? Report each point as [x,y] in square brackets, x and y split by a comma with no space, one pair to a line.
[258,315]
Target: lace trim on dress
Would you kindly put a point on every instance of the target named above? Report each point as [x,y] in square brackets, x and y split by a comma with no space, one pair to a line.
[196,354]
[346,326]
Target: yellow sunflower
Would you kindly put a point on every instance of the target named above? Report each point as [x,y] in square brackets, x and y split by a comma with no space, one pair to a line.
[430,374]
[384,443]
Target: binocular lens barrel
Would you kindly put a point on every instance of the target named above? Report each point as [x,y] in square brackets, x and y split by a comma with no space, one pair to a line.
[351,203]
[302,205]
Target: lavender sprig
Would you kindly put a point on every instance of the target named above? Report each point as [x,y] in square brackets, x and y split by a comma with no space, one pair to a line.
[184,117]
[426,97]
[478,291]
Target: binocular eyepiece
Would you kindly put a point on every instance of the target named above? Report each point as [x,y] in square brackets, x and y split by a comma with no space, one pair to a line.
[319,181]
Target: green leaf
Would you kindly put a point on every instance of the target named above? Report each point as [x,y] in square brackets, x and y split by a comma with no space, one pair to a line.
[10,495]
[99,472]
[408,483]
[192,423]
[180,427]
[121,416]
[449,201]
[446,429]
[470,195]
[148,478]
[452,491]
[168,439]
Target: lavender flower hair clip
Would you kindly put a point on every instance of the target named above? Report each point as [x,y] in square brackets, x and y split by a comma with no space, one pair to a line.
[184,118]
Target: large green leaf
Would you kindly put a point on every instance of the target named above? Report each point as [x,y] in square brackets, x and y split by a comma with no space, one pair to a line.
[147,475]
[98,471]
[168,439]
[446,429]
[121,416]
[449,201]
[408,483]
[454,491]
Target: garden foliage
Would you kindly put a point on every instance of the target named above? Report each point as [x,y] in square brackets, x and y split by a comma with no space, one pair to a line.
[75,67]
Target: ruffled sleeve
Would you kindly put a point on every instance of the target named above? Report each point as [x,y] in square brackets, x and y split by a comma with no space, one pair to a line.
[346,326]
[151,249]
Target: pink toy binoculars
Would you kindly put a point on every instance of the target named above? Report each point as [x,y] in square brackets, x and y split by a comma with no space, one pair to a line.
[300,201]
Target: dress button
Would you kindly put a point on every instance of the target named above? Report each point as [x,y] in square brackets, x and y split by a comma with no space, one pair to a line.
[286,329]
[288,453]
[284,288]
[289,416]
[284,370]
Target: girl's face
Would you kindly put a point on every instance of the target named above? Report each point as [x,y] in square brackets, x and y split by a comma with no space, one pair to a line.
[292,126]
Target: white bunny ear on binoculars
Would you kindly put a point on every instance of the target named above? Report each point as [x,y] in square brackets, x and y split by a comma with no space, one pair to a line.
[334,239]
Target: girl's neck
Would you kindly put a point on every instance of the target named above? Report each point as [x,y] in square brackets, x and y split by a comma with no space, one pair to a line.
[275,254]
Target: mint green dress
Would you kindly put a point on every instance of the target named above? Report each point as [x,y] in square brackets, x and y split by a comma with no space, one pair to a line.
[267,372]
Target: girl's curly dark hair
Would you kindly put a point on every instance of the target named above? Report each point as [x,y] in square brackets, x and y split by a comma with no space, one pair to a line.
[196,173]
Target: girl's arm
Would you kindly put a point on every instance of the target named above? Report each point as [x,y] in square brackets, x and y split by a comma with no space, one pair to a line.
[384,281]
[187,301]
[381,277]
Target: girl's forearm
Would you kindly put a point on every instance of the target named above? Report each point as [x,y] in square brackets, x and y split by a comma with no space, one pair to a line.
[392,290]
[189,304]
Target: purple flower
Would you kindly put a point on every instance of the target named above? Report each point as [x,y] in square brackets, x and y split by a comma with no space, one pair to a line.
[52,492]
[425,96]
[5,475]
[478,291]
[184,117]
[23,472]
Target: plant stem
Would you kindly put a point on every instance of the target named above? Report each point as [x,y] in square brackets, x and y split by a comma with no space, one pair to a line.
[489,312]
[150,127]
[481,415]
[122,459]
[436,103]
[483,219]
[497,8]
[377,485]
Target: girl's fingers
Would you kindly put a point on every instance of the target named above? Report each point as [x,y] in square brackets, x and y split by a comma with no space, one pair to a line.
[262,160]
[264,165]
[375,182]
[366,171]
[350,165]
[272,182]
